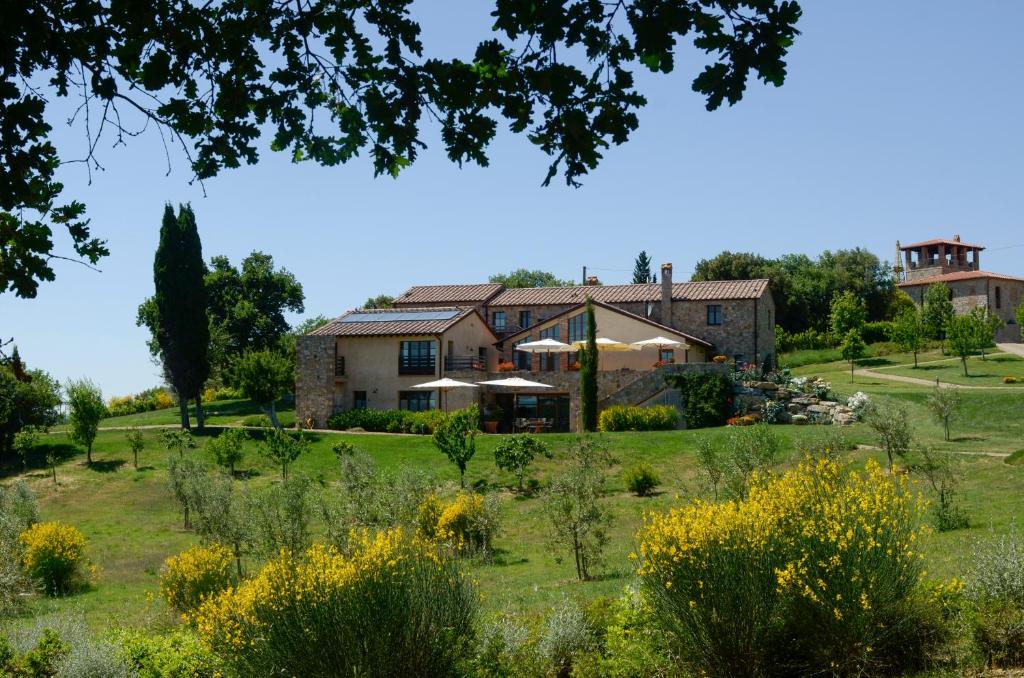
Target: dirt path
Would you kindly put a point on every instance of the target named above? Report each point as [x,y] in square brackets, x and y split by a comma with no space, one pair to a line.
[1016,349]
[922,382]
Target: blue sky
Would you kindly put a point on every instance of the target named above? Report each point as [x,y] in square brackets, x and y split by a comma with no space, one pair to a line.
[898,120]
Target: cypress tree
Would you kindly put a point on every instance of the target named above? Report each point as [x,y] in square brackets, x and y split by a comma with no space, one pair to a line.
[183,332]
[588,373]
[642,268]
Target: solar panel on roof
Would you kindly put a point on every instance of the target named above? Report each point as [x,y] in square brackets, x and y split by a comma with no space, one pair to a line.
[395,316]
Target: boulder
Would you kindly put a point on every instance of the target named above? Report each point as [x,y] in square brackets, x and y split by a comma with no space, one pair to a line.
[842,409]
[806,400]
[793,408]
[841,419]
[829,403]
[765,385]
[820,408]
[799,419]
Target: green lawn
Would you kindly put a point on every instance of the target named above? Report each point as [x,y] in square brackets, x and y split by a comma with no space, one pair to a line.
[980,372]
[218,413]
[132,524]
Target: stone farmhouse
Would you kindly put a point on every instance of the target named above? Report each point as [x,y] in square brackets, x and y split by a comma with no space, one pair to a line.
[374,358]
[957,265]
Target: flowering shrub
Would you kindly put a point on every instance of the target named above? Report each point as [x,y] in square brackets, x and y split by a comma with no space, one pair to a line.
[194,575]
[815,571]
[390,606]
[773,411]
[719,359]
[742,420]
[468,523]
[631,418]
[1011,380]
[54,555]
[151,399]
[815,386]
[859,402]
[506,366]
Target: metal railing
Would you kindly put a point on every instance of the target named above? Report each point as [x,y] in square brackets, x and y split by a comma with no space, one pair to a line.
[425,364]
[464,362]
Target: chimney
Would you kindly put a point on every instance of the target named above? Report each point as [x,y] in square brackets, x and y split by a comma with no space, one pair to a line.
[666,294]
[591,280]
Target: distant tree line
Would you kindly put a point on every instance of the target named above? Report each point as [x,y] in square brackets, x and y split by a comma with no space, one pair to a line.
[803,288]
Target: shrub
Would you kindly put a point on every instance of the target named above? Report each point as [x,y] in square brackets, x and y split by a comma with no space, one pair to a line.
[82,653]
[634,645]
[631,418]
[147,401]
[566,635]
[706,397]
[774,411]
[194,575]
[859,402]
[228,448]
[515,454]
[877,331]
[42,660]
[815,572]
[996,587]
[54,555]
[1011,380]
[390,607]
[641,479]
[178,654]
[388,421]
[467,524]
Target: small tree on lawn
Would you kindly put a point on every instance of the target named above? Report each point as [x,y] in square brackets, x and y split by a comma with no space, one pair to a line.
[455,436]
[178,441]
[221,514]
[944,404]
[264,376]
[576,512]
[136,443]
[24,441]
[183,477]
[936,311]
[852,349]
[710,463]
[588,373]
[962,337]
[847,313]
[85,410]
[985,326]
[228,448]
[282,448]
[515,454]
[940,469]
[892,426]
[908,332]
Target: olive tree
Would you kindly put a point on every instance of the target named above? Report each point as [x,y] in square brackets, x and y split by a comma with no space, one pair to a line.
[944,404]
[136,443]
[282,448]
[455,436]
[892,426]
[228,448]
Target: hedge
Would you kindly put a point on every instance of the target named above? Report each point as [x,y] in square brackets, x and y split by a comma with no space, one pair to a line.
[706,397]
[632,418]
[387,421]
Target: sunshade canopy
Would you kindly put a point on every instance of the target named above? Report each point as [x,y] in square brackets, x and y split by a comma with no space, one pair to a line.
[543,346]
[445,383]
[514,382]
[658,342]
[605,344]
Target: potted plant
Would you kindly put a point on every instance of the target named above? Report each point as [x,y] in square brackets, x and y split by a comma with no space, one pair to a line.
[492,417]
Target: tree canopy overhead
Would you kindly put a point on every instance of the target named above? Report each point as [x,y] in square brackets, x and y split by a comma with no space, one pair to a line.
[331,80]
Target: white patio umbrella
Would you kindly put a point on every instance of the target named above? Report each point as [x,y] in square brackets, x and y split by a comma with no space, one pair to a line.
[515,383]
[544,346]
[442,386]
[660,343]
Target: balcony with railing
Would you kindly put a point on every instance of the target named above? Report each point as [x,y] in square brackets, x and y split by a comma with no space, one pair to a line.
[454,363]
[417,364]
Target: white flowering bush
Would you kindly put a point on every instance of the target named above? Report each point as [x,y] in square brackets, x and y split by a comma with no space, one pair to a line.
[815,386]
[859,402]
[773,411]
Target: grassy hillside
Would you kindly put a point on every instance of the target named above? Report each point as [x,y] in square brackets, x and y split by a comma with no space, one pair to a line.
[218,413]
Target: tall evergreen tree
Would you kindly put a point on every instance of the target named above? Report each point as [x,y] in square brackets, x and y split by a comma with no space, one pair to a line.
[183,325]
[642,269]
[588,373]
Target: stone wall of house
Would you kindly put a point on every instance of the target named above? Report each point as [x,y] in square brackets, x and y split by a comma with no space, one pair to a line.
[747,327]
[314,379]
[982,293]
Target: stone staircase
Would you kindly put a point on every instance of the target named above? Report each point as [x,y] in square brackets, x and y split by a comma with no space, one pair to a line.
[650,388]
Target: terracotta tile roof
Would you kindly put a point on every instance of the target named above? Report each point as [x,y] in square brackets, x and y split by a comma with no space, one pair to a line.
[449,294]
[615,309]
[395,322]
[939,241]
[617,294]
[959,275]
[719,289]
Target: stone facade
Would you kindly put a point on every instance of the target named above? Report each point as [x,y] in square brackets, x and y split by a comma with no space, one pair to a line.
[314,379]
[1000,295]
[747,328]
